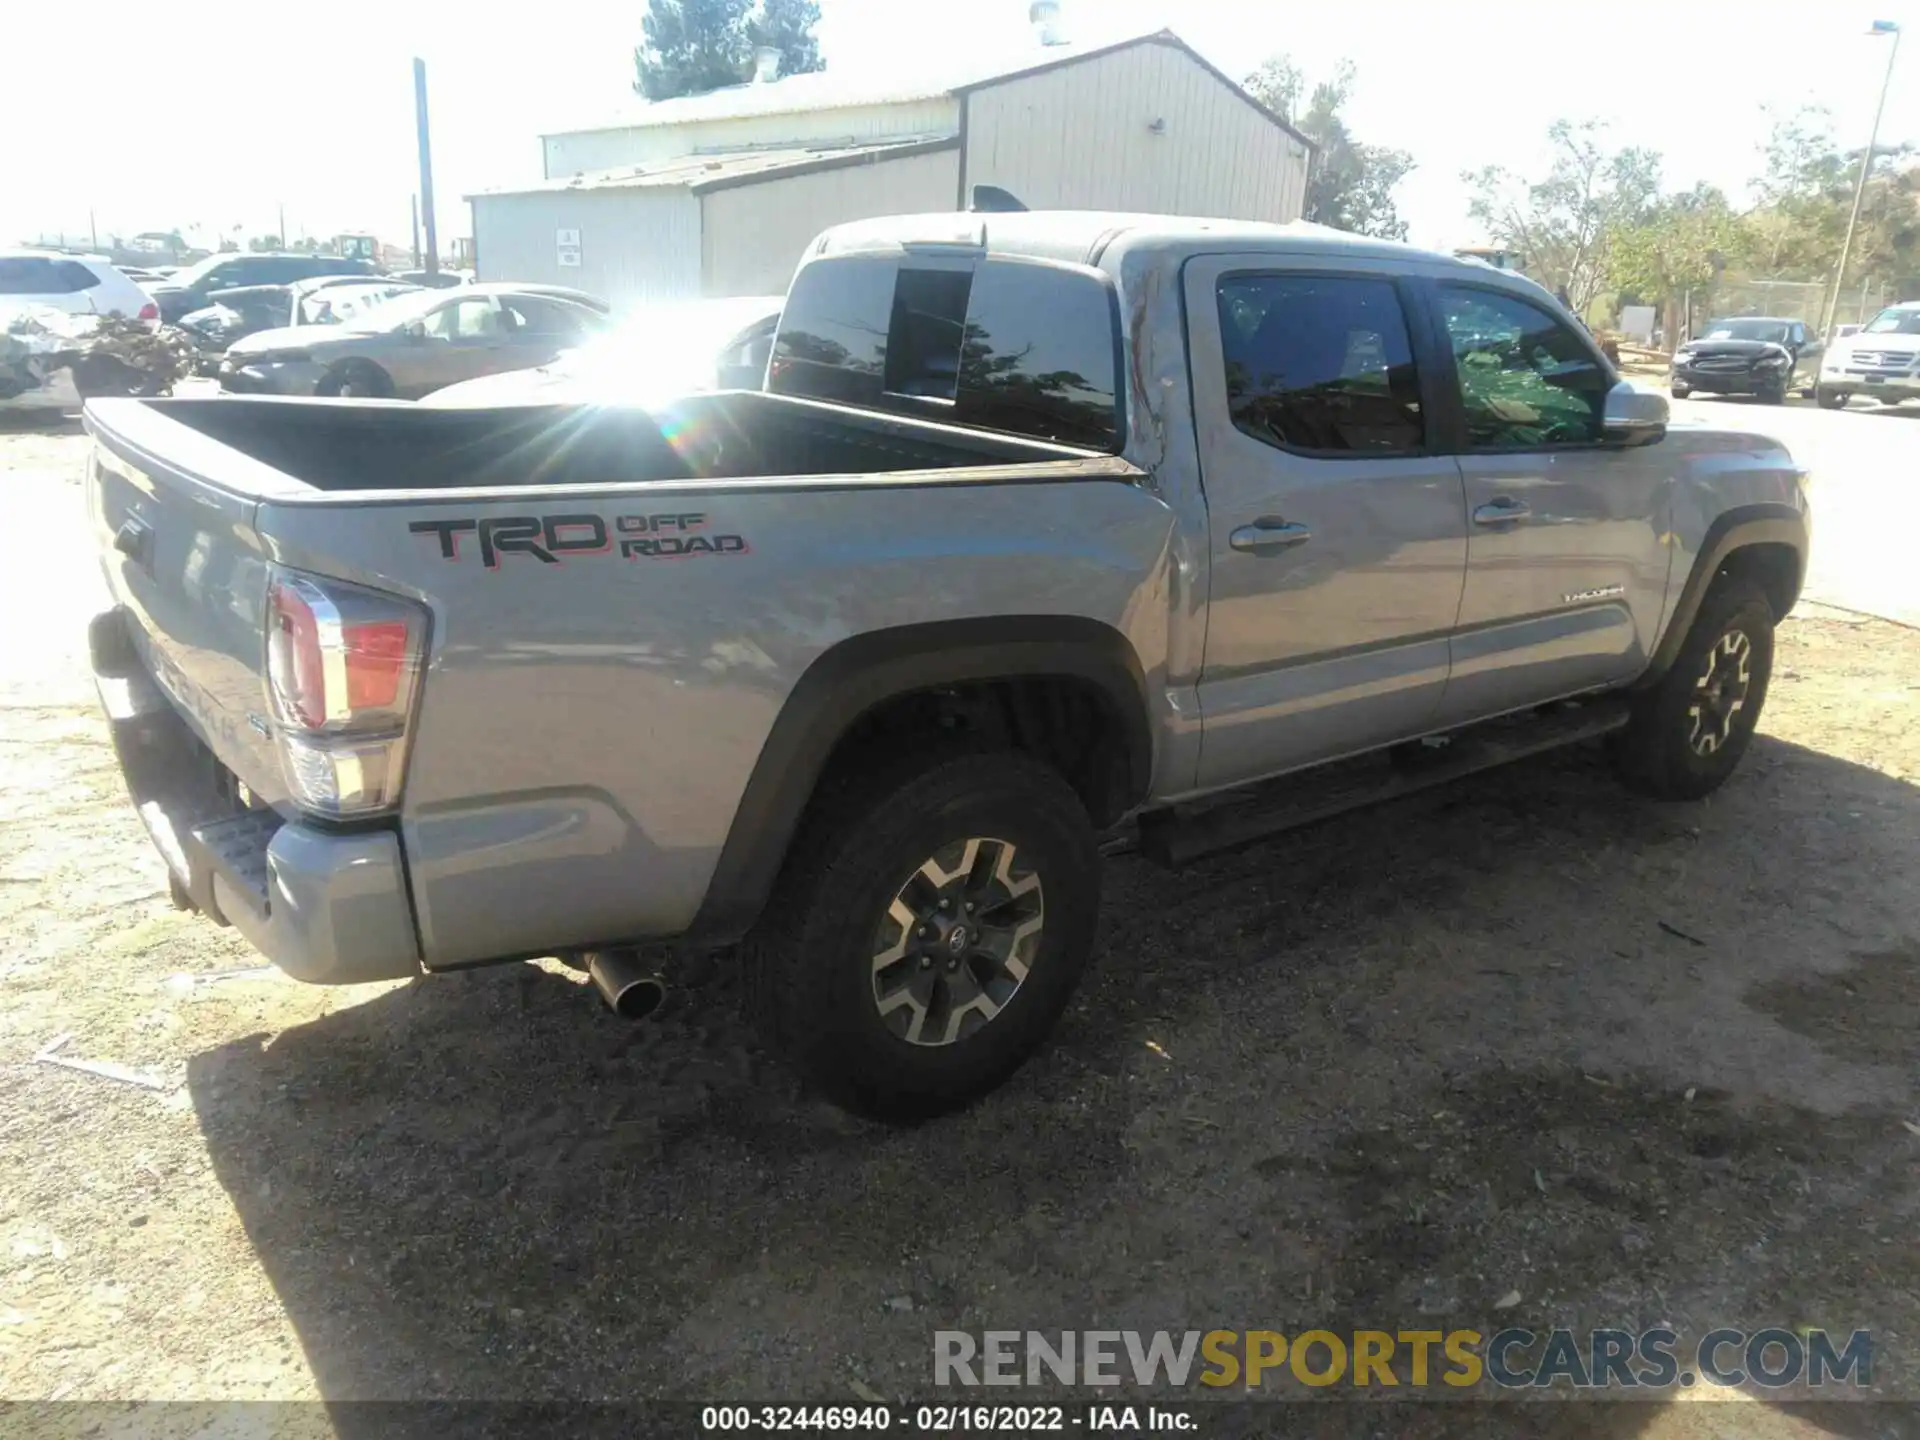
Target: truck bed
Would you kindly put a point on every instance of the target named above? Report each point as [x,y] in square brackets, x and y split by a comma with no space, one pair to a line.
[552,676]
[369,445]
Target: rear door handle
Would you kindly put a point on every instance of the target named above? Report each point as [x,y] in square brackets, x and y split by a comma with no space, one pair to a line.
[1268,535]
[1503,510]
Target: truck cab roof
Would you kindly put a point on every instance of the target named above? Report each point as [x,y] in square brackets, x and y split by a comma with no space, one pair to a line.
[1094,237]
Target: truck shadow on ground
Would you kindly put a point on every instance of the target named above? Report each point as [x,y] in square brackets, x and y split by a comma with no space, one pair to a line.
[39,422]
[1638,1064]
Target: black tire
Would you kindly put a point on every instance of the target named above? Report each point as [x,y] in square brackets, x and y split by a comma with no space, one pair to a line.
[1680,392]
[811,981]
[351,378]
[1773,394]
[1809,392]
[104,377]
[1832,399]
[1668,751]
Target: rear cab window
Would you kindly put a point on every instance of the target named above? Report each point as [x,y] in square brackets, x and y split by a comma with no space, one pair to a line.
[1014,346]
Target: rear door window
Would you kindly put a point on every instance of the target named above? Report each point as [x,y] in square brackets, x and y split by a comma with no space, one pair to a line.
[232,274]
[1320,363]
[548,318]
[36,275]
[475,318]
[1024,349]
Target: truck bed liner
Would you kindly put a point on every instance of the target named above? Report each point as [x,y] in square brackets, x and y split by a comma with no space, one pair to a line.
[362,445]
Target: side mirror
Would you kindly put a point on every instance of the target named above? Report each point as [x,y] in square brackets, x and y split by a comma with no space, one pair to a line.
[416,330]
[1633,416]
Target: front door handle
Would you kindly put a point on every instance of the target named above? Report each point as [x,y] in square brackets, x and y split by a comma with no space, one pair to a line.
[1502,510]
[1268,535]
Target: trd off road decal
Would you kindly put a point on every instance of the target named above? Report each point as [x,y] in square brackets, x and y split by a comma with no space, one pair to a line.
[551,539]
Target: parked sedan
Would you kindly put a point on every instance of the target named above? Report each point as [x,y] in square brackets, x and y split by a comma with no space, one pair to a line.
[415,344]
[1752,355]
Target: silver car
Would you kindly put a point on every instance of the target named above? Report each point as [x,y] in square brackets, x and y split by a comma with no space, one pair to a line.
[416,343]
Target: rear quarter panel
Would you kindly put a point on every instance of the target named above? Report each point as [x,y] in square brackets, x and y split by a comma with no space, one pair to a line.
[587,727]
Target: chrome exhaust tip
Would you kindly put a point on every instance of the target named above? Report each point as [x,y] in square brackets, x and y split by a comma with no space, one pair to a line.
[631,991]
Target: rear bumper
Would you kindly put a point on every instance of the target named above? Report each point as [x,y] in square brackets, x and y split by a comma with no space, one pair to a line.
[328,907]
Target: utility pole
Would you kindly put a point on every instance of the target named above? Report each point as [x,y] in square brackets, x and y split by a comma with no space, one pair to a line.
[93,232]
[432,256]
[283,225]
[416,231]
[1880,27]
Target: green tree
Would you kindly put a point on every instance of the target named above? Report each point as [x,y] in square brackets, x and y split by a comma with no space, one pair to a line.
[1561,223]
[1677,249]
[1681,243]
[1351,184]
[787,25]
[1806,195]
[693,46]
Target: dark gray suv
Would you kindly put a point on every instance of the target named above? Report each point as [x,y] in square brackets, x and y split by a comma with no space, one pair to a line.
[188,289]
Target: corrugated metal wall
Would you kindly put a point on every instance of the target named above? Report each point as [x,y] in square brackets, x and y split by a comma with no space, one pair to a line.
[1078,138]
[586,150]
[752,235]
[635,245]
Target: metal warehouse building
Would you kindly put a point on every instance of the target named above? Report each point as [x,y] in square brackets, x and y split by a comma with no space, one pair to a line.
[718,194]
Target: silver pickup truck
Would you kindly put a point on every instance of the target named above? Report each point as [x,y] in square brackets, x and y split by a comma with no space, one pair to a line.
[1042,525]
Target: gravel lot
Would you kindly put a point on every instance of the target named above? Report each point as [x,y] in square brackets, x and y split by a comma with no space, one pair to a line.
[1636,1063]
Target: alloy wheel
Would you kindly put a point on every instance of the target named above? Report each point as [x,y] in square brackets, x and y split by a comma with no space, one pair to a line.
[1720,693]
[957,941]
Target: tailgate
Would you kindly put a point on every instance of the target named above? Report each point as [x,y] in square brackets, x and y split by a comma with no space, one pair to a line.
[181,556]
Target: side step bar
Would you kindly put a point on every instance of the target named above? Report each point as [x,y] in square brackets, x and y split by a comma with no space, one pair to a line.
[1181,833]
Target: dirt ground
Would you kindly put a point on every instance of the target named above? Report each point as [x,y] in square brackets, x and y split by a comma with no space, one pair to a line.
[1639,1064]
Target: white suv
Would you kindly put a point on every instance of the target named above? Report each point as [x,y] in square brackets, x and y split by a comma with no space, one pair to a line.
[1881,360]
[77,284]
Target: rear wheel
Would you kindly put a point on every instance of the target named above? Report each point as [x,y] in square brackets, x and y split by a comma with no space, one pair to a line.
[1679,391]
[928,930]
[1832,399]
[357,379]
[1688,733]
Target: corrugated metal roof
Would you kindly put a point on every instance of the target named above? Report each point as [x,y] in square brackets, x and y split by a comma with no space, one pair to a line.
[700,173]
[840,90]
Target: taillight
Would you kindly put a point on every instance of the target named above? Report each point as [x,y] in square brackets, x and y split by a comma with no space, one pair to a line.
[148,311]
[342,666]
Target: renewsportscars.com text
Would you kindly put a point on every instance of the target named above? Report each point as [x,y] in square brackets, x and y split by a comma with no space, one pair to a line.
[1511,1359]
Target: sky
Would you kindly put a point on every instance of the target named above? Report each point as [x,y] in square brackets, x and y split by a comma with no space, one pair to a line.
[220,113]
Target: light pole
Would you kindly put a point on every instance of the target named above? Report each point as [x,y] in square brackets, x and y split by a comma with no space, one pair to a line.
[1879,27]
